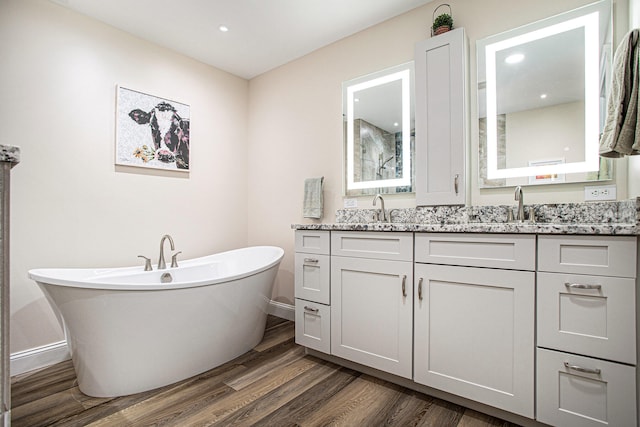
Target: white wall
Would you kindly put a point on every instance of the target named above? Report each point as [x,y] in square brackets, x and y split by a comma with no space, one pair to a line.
[295,127]
[253,144]
[70,205]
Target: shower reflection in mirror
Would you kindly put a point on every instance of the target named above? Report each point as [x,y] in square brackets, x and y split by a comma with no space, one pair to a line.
[378,132]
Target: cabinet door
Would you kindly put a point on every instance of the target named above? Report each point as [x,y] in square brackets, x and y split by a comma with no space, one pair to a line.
[577,391]
[312,277]
[313,325]
[441,110]
[474,334]
[590,315]
[372,312]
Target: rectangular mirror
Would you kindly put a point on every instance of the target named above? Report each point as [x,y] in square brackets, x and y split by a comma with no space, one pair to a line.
[379,127]
[542,92]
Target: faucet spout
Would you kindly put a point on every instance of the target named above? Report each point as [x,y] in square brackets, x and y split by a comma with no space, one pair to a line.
[382,215]
[519,197]
[161,262]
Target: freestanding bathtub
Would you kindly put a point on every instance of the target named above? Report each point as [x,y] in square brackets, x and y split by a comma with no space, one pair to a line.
[128,332]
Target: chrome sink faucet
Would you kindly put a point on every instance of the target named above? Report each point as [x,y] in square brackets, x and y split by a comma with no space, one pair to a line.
[520,199]
[161,263]
[382,215]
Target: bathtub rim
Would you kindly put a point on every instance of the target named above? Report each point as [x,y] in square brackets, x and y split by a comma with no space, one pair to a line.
[55,276]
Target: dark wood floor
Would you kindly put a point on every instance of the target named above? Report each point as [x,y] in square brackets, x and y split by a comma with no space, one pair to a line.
[275,384]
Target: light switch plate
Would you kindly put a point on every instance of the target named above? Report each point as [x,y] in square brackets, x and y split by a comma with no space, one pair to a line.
[600,192]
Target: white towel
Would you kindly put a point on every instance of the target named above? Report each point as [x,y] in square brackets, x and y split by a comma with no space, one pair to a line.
[621,135]
[313,204]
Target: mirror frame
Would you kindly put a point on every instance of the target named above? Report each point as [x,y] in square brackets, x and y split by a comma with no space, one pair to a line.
[404,74]
[587,17]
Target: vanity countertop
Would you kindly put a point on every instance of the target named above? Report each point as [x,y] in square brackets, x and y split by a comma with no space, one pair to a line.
[606,218]
[522,228]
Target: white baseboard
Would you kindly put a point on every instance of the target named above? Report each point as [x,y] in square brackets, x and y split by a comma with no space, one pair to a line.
[39,357]
[284,311]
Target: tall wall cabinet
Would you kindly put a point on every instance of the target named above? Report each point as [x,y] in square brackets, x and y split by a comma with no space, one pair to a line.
[441,82]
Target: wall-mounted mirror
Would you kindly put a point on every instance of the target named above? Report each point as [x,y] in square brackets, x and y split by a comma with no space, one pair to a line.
[379,122]
[542,92]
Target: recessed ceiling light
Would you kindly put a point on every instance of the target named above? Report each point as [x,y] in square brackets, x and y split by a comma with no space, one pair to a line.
[395,123]
[356,100]
[514,59]
[223,28]
[543,96]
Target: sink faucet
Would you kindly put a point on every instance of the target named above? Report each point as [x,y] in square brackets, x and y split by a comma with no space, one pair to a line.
[520,199]
[382,217]
[161,263]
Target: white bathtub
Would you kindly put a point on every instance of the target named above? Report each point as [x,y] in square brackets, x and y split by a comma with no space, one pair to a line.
[128,332]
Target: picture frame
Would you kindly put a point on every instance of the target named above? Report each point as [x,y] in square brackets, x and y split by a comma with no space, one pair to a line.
[151,131]
[547,178]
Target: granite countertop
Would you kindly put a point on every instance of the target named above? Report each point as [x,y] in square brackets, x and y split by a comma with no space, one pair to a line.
[521,228]
[9,153]
[606,218]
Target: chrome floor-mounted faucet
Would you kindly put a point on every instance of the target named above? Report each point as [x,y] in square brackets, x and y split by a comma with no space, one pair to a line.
[161,263]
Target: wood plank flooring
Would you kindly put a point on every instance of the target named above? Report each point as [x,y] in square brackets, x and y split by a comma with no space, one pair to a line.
[275,384]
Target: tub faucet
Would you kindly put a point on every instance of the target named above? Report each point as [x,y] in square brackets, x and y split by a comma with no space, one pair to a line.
[161,263]
[520,199]
[382,215]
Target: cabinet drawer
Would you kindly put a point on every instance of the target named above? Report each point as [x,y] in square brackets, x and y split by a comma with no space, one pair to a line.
[599,255]
[313,325]
[508,251]
[377,245]
[313,242]
[312,275]
[590,315]
[567,395]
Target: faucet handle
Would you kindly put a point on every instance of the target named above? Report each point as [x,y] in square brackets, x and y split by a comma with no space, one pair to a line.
[174,260]
[147,263]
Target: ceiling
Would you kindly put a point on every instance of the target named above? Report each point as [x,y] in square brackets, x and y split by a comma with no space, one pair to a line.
[263,34]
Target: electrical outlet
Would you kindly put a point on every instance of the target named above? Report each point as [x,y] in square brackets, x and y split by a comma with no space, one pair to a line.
[350,203]
[600,192]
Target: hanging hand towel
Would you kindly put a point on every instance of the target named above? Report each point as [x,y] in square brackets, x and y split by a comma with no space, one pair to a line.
[313,204]
[621,135]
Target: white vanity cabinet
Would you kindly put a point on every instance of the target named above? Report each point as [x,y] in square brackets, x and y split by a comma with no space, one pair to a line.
[474,327]
[312,289]
[441,119]
[372,299]
[586,356]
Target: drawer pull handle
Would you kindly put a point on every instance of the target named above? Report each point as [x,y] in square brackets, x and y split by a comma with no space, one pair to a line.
[420,288]
[455,183]
[581,369]
[311,260]
[311,309]
[404,285]
[581,286]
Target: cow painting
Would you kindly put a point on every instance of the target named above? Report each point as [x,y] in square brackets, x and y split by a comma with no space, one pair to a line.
[169,133]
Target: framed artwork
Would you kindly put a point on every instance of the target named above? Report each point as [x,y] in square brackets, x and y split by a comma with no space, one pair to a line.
[546,178]
[151,132]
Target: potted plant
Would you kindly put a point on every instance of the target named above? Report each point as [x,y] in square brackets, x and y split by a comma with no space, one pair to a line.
[443,22]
